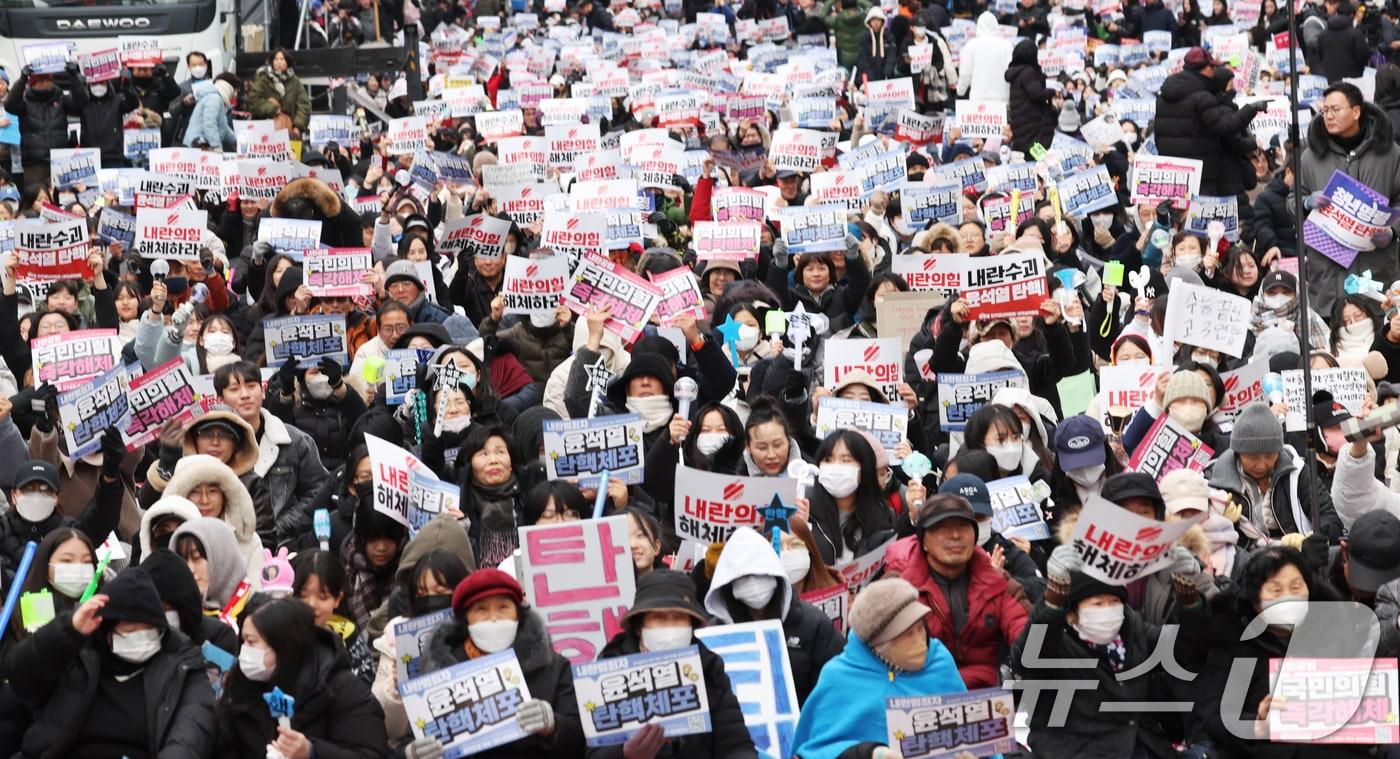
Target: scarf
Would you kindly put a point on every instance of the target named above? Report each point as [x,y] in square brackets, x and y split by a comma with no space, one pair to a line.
[279,79]
[1115,653]
[496,510]
[1223,539]
[877,43]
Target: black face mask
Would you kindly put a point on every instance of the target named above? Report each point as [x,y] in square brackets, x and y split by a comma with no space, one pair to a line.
[429,604]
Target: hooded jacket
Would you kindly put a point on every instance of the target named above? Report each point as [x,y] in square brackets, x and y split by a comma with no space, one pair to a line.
[442,532]
[209,119]
[1286,500]
[168,506]
[196,470]
[1032,116]
[547,674]
[226,564]
[176,586]
[561,391]
[996,610]
[983,62]
[1193,122]
[878,50]
[340,225]
[812,641]
[1344,49]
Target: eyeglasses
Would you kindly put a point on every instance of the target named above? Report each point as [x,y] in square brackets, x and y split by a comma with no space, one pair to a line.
[215,434]
[1333,110]
[393,330]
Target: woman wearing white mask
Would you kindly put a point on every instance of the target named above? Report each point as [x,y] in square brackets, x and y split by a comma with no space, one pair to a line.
[1277,305]
[334,713]
[489,616]
[848,512]
[663,617]
[218,494]
[111,679]
[1083,618]
[752,345]
[751,584]
[70,559]
[544,337]
[997,430]
[712,441]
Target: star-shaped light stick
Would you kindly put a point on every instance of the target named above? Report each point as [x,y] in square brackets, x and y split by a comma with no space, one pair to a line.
[729,331]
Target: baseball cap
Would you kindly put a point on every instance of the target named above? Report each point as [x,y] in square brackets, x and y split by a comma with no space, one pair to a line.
[1279,279]
[1079,442]
[1197,58]
[786,173]
[1124,485]
[1373,550]
[972,488]
[939,510]
[37,471]
[1387,390]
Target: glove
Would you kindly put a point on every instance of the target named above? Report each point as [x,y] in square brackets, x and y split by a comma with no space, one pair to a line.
[1318,201]
[332,370]
[423,748]
[261,252]
[1315,551]
[1183,562]
[180,318]
[535,716]
[42,404]
[1063,560]
[1292,540]
[1383,237]
[26,72]
[113,451]
[287,376]
[796,385]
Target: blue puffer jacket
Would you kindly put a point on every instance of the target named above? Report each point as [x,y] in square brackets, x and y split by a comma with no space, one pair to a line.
[209,120]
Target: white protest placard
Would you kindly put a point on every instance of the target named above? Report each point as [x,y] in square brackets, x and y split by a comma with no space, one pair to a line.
[709,506]
[755,658]
[100,65]
[579,576]
[390,466]
[498,125]
[69,359]
[981,118]
[291,237]
[931,271]
[306,338]
[337,272]
[814,229]
[976,723]
[74,166]
[263,178]
[139,142]
[796,150]
[477,235]
[880,357]
[170,234]
[582,449]
[1347,386]
[861,570]
[1167,447]
[139,51]
[46,57]
[670,683]
[327,128]
[1205,209]
[1005,285]
[401,372]
[469,707]
[407,135]
[575,235]
[961,395]
[534,285]
[410,637]
[922,203]
[1087,191]
[1118,546]
[1016,510]
[1157,178]
[839,186]
[1128,385]
[738,204]
[887,422]
[1207,318]
[1242,386]
[85,412]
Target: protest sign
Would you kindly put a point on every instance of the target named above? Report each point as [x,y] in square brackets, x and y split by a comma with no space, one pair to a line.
[755,658]
[47,252]
[393,469]
[478,235]
[1087,191]
[1205,209]
[617,696]
[85,413]
[838,186]
[981,118]
[902,315]
[1207,318]
[407,135]
[832,602]
[401,372]
[1334,701]
[1242,386]
[599,282]
[470,706]
[1157,178]
[1118,546]
[1347,225]
[883,170]
[70,359]
[170,234]
[915,128]
[71,167]
[886,422]
[410,636]
[262,179]
[291,237]
[710,506]
[1347,386]
[579,576]
[996,211]
[139,142]
[978,723]
[729,241]
[575,235]
[306,338]
[680,294]
[139,51]
[428,496]
[942,272]
[534,286]
[738,204]
[814,229]
[337,272]
[582,449]
[1015,509]
[46,58]
[861,570]
[797,150]
[326,128]
[1014,176]
[1167,447]
[880,357]
[115,226]
[1010,284]
[1127,385]
[164,393]
[921,203]
[968,173]
[961,395]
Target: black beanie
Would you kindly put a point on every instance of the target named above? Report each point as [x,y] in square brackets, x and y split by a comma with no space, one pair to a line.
[176,586]
[132,597]
[1082,586]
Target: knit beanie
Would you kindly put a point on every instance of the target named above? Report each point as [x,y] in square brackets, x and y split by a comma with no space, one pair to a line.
[1184,489]
[1082,586]
[132,597]
[1256,430]
[226,565]
[1185,384]
[885,609]
[226,91]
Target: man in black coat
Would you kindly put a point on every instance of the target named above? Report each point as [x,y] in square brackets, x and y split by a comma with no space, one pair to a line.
[43,111]
[1194,122]
[1344,49]
[1273,217]
[1032,113]
[108,103]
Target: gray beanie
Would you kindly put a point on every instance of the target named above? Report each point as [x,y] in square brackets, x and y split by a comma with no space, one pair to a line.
[885,609]
[1069,121]
[226,565]
[1256,430]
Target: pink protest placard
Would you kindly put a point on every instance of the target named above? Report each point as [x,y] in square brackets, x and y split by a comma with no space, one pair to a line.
[579,575]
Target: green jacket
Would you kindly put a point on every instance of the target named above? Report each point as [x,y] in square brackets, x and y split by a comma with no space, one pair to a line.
[294,100]
[848,26]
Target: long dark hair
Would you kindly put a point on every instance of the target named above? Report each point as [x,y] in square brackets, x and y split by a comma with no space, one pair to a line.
[324,566]
[1367,307]
[729,453]
[289,628]
[991,417]
[566,495]
[872,512]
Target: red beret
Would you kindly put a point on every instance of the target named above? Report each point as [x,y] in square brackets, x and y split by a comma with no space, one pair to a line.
[484,583]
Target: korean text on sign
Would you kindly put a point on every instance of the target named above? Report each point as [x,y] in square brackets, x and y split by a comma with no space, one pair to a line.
[616,697]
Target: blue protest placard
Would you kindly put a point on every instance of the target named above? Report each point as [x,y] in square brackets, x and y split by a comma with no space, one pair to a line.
[814,229]
[1087,191]
[936,727]
[960,395]
[969,173]
[115,226]
[1345,227]
[617,696]
[9,134]
[410,636]
[921,203]
[401,372]
[86,412]
[756,660]
[887,422]
[582,449]
[1206,208]
[468,707]
[1014,510]
[306,338]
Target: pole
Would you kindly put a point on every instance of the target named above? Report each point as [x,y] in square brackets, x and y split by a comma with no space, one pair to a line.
[378,35]
[301,25]
[1295,159]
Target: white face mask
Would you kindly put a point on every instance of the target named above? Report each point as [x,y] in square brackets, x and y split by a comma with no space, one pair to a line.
[456,423]
[218,343]
[1285,610]
[984,531]
[99,90]
[1101,220]
[840,480]
[136,647]
[666,638]
[71,579]
[493,636]
[1277,300]
[1099,624]
[541,320]
[755,591]
[250,663]
[1191,417]
[35,507]
[656,410]
[1129,138]
[172,618]
[709,443]
[1203,358]
[748,337]
[796,564]
[199,72]
[1008,455]
[1189,261]
[318,387]
[1086,476]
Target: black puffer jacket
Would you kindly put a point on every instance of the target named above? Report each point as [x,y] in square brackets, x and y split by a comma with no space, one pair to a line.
[56,674]
[308,198]
[334,710]
[43,121]
[1344,50]
[1273,219]
[328,422]
[548,675]
[102,122]
[1031,115]
[1193,122]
